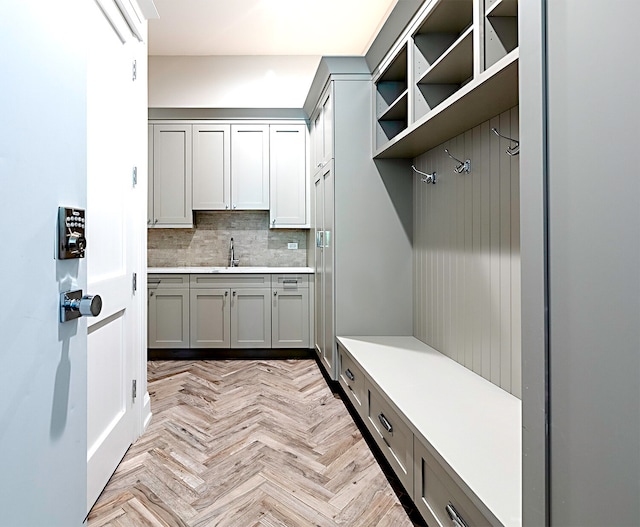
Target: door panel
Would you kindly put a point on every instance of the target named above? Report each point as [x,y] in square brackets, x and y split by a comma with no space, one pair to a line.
[251,318]
[210,318]
[250,167]
[211,167]
[117,136]
[319,269]
[328,352]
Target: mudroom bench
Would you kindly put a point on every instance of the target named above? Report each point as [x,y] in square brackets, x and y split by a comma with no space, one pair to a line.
[452,437]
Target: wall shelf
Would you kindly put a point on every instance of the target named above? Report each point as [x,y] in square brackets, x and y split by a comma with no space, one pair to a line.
[502,8]
[458,70]
[493,91]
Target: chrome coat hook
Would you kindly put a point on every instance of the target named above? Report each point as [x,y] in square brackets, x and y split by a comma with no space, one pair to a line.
[463,166]
[512,150]
[426,178]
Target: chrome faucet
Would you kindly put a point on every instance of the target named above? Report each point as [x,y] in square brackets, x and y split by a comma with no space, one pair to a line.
[233,262]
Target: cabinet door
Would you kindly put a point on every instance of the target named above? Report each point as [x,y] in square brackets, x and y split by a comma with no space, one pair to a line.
[250,167]
[211,167]
[327,125]
[290,318]
[150,176]
[329,351]
[210,318]
[168,313]
[172,175]
[318,193]
[288,175]
[324,309]
[250,318]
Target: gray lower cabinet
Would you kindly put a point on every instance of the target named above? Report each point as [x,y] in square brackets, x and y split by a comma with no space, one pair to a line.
[290,311]
[255,311]
[168,313]
[230,311]
[250,318]
[210,320]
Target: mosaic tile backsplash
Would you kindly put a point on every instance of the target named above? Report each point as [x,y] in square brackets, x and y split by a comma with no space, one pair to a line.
[207,244]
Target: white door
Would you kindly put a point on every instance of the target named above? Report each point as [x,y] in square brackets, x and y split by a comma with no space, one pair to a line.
[116,143]
[42,166]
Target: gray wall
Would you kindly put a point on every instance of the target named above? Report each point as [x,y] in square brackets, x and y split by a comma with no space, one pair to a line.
[207,244]
[594,262]
[467,253]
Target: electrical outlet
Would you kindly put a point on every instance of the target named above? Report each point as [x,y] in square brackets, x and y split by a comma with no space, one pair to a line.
[292,245]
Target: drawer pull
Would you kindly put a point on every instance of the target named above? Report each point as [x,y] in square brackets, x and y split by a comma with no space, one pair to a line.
[385,423]
[350,375]
[156,282]
[292,281]
[457,520]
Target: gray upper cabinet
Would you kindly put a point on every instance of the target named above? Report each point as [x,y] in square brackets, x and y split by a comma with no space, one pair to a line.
[322,131]
[170,185]
[289,185]
[249,167]
[211,166]
[229,165]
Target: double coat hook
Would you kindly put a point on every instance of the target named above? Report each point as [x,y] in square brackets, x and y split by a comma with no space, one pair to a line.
[512,150]
[463,166]
[426,178]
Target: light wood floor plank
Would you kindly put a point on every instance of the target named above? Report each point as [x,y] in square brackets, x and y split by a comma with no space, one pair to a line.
[254,443]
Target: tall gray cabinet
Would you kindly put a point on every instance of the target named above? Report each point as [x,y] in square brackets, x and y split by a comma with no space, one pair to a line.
[361,217]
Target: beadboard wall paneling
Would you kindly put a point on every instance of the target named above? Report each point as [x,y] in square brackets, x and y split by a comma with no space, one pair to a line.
[467,253]
[207,244]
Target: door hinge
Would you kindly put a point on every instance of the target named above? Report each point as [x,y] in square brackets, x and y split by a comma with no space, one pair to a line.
[134,390]
[134,70]
[135,283]
[135,176]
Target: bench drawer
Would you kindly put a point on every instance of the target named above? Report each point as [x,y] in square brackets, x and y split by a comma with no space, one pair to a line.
[351,379]
[392,434]
[435,492]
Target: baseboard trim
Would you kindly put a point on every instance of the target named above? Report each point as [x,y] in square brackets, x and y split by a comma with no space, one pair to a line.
[212,354]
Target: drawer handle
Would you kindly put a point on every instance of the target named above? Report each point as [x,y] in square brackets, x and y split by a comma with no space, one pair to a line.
[385,423]
[290,281]
[350,375]
[153,282]
[457,520]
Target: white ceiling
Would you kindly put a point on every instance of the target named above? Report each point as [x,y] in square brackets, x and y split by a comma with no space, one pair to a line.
[266,27]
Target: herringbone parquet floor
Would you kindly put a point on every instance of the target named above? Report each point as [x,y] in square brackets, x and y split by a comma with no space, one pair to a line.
[244,443]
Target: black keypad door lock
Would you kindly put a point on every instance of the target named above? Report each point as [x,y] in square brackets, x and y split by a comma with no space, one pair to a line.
[71,227]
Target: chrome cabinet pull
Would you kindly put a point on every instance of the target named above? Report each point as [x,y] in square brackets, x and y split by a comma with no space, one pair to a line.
[385,423]
[349,375]
[457,520]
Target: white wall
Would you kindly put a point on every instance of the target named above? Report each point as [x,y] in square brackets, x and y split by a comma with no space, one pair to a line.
[43,411]
[230,81]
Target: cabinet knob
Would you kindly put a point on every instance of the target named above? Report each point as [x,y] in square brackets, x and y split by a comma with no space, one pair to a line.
[273,222]
[226,293]
[275,293]
[234,293]
[226,207]
[234,207]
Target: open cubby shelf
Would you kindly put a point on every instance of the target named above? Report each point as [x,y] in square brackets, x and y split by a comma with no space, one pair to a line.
[432,84]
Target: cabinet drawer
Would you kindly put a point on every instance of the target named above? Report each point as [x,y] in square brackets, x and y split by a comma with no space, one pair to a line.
[435,490]
[290,281]
[230,280]
[392,434]
[168,281]
[351,379]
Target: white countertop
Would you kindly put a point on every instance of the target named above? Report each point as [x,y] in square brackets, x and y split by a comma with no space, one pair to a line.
[230,270]
[474,425]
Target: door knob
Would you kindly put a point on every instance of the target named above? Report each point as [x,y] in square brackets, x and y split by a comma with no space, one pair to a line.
[74,305]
